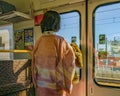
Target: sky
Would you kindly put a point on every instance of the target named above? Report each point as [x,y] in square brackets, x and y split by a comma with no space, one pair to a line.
[69,27]
[107,21]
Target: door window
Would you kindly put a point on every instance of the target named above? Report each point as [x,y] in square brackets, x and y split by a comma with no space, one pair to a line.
[107,44]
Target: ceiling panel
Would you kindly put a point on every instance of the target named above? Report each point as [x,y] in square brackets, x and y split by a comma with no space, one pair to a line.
[41,4]
[27,5]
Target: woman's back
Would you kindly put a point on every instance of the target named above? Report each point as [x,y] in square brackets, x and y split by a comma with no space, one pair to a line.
[53,60]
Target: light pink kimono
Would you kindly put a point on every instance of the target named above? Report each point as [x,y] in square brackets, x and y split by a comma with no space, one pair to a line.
[53,66]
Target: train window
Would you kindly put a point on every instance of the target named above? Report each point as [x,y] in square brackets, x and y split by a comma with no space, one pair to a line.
[70,26]
[6,41]
[107,44]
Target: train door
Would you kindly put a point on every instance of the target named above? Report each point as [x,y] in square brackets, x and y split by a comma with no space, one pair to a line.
[103,39]
[73,27]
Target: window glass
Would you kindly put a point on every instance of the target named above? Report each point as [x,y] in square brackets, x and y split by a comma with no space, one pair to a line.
[70,26]
[6,41]
[107,43]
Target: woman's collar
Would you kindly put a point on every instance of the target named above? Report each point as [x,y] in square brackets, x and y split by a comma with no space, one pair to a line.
[49,32]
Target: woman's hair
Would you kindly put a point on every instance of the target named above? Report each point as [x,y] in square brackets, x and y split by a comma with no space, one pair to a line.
[51,21]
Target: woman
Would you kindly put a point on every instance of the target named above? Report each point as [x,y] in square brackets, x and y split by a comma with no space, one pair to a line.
[53,59]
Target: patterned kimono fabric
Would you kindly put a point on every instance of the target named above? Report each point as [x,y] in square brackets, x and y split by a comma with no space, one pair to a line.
[53,66]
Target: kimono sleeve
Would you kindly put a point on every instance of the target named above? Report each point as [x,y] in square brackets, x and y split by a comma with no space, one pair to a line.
[34,70]
[68,66]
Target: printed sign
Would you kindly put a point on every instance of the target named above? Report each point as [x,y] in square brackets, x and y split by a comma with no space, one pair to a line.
[19,39]
[28,38]
[73,39]
[102,39]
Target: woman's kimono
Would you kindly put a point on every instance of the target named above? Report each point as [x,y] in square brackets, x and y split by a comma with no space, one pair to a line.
[53,66]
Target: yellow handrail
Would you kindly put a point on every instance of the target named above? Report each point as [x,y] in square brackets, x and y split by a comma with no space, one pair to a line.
[18,51]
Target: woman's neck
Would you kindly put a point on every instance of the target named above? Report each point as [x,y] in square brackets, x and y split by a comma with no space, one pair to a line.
[48,32]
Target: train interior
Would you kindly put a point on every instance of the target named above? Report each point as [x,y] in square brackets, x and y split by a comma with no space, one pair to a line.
[95,26]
